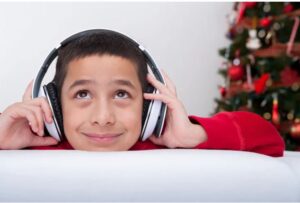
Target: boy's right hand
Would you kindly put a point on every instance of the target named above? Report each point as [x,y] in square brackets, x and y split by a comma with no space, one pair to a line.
[22,123]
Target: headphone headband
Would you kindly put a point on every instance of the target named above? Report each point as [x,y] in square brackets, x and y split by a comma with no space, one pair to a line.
[53,54]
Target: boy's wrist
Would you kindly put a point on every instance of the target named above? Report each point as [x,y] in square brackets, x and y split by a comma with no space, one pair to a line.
[198,134]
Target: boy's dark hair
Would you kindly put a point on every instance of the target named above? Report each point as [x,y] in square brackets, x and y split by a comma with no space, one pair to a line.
[99,44]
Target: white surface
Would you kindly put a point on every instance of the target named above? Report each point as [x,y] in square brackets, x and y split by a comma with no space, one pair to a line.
[183,38]
[155,175]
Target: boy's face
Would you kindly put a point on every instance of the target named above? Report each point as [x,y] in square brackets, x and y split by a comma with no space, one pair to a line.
[102,103]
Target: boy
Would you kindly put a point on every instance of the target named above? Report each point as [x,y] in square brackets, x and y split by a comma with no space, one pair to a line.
[100,80]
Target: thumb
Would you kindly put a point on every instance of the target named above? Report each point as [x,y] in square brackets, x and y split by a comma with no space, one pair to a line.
[43,141]
[28,92]
[157,140]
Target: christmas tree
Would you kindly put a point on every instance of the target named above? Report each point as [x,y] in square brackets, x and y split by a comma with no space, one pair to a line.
[262,65]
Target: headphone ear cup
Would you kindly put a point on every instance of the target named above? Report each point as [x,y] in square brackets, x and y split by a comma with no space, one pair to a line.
[56,128]
[146,103]
[154,112]
[151,110]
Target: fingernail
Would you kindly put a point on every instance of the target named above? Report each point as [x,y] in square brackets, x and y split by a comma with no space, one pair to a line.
[41,133]
[49,120]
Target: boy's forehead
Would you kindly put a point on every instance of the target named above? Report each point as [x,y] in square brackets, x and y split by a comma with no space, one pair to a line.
[102,68]
[103,60]
[103,63]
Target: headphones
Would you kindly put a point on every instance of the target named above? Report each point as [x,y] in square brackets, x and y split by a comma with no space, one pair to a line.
[154,111]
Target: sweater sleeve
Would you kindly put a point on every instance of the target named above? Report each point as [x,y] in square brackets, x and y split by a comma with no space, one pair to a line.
[240,131]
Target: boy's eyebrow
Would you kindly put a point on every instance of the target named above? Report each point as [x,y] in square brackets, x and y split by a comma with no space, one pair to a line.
[116,81]
[81,82]
[123,82]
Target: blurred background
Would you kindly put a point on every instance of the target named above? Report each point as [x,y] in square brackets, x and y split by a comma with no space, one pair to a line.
[261,67]
[183,38]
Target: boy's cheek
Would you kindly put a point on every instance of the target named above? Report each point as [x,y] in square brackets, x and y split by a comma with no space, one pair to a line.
[71,121]
[69,129]
[132,119]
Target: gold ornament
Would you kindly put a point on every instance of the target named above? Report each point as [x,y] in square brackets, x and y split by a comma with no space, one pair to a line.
[267,116]
[295,130]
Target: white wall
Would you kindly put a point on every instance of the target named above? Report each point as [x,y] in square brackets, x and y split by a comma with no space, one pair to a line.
[183,38]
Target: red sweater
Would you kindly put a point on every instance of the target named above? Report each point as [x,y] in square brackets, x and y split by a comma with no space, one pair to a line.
[227,131]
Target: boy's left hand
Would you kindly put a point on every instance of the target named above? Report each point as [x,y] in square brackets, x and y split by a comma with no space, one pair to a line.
[179,131]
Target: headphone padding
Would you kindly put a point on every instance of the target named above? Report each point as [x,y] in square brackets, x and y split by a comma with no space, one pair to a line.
[56,107]
[146,103]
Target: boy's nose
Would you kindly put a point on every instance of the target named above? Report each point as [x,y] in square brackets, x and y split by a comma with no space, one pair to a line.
[102,114]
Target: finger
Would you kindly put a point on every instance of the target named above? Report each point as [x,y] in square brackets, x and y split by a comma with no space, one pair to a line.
[169,82]
[158,85]
[22,112]
[43,103]
[156,140]
[160,97]
[163,141]
[38,114]
[28,92]
[43,141]
[171,102]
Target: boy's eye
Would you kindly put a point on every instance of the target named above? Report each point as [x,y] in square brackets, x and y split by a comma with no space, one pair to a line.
[83,94]
[121,94]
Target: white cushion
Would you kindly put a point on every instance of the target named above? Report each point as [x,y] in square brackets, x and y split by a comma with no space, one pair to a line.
[154,175]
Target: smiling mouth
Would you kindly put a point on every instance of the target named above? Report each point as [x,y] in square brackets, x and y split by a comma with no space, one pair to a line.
[102,137]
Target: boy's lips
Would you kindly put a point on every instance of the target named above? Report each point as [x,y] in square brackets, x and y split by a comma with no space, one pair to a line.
[103,137]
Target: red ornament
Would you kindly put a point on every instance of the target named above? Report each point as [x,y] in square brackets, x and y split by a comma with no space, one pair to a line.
[242,6]
[275,112]
[223,91]
[288,8]
[265,22]
[295,130]
[236,72]
[260,84]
